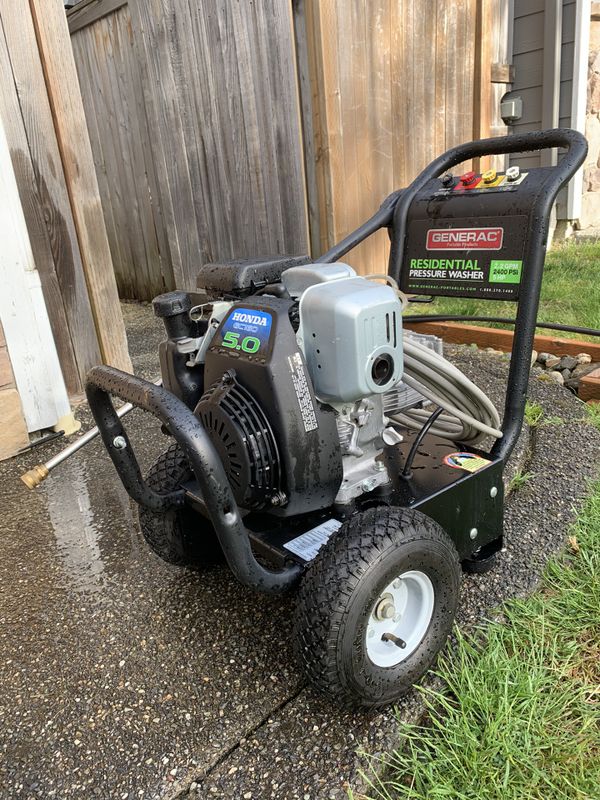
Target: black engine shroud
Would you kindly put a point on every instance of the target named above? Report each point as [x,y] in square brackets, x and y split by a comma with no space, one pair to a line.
[279,446]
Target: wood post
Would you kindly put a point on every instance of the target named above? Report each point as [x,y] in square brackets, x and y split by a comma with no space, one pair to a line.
[14,436]
[71,132]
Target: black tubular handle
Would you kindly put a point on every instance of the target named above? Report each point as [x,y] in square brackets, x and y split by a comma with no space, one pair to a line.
[574,142]
[188,431]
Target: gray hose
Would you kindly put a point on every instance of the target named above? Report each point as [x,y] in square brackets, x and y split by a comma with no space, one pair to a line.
[470,414]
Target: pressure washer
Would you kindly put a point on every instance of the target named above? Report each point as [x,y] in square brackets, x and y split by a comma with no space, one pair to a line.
[320,448]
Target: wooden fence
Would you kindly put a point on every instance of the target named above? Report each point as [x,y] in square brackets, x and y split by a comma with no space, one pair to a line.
[236,129]
[45,127]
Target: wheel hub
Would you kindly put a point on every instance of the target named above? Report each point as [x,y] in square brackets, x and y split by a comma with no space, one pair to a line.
[385,608]
[400,618]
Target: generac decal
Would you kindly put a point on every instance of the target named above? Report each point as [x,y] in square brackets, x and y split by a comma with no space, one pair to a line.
[464,238]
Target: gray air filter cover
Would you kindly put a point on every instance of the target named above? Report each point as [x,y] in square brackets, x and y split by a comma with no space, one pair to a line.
[351,335]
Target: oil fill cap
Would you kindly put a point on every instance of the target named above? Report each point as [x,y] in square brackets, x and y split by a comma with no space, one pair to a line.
[489,176]
[513,174]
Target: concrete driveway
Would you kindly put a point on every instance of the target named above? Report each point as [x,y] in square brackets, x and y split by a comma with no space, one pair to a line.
[123,677]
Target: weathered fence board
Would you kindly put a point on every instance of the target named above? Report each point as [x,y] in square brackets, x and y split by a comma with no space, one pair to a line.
[114,105]
[395,86]
[194,118]
[36,160]
[56,56]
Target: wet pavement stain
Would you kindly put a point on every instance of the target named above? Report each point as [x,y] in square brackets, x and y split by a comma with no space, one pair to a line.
[124,677]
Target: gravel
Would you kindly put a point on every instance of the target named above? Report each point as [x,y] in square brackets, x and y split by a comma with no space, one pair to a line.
[127,678]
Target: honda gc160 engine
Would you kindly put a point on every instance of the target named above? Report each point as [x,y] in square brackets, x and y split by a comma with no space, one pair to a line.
[299,388]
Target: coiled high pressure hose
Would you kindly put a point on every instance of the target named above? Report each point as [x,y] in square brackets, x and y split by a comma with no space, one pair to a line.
[469,414]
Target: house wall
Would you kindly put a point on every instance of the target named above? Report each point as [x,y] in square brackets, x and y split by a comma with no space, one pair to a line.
[535,82]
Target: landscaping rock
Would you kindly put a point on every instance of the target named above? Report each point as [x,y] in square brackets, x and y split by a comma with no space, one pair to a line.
[534,356]
[566,370]
[584,369]
[572,385]
[567,362]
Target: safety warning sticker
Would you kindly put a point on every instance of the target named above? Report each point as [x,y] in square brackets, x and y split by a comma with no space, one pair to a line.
[467,461]
[308,544]
[307,409]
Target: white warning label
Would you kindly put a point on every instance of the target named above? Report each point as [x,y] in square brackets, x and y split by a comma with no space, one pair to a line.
[307,409]
[308,545]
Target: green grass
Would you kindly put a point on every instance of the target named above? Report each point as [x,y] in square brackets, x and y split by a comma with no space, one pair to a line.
[519,718]
[519,479]
[594,412]
[570,292]
[533,414]
[554,420]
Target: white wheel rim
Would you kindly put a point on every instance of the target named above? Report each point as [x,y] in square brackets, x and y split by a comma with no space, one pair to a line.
[408,603]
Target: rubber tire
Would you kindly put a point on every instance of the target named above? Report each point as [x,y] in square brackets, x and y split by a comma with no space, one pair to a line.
[182,537]
[474,566]
[340,587]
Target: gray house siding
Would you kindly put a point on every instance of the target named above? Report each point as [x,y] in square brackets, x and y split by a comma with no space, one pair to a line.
[528,61]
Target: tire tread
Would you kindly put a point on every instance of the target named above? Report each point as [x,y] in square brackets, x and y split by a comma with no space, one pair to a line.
[337,568]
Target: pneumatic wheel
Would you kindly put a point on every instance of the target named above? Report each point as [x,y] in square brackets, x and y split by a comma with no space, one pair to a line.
[182,537]
[376,605]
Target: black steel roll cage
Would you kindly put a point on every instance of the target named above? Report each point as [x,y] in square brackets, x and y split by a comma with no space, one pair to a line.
[103,381]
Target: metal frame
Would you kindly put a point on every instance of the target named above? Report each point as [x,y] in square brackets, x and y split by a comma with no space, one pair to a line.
[185,427]
[104,382]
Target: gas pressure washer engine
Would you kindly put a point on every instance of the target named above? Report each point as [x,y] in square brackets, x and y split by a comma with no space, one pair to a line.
[317,445]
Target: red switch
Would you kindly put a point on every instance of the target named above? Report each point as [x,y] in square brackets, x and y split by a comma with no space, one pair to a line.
[468,178]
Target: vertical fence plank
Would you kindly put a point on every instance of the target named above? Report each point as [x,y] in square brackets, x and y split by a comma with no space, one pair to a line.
[63,91]
[393,88]
[482,93]
[220,115]
[32,140]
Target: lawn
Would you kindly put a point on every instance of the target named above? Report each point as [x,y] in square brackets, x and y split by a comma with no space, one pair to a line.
[520,719]
[570,292]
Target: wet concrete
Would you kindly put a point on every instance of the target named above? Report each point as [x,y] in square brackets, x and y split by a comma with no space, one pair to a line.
[124,677]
